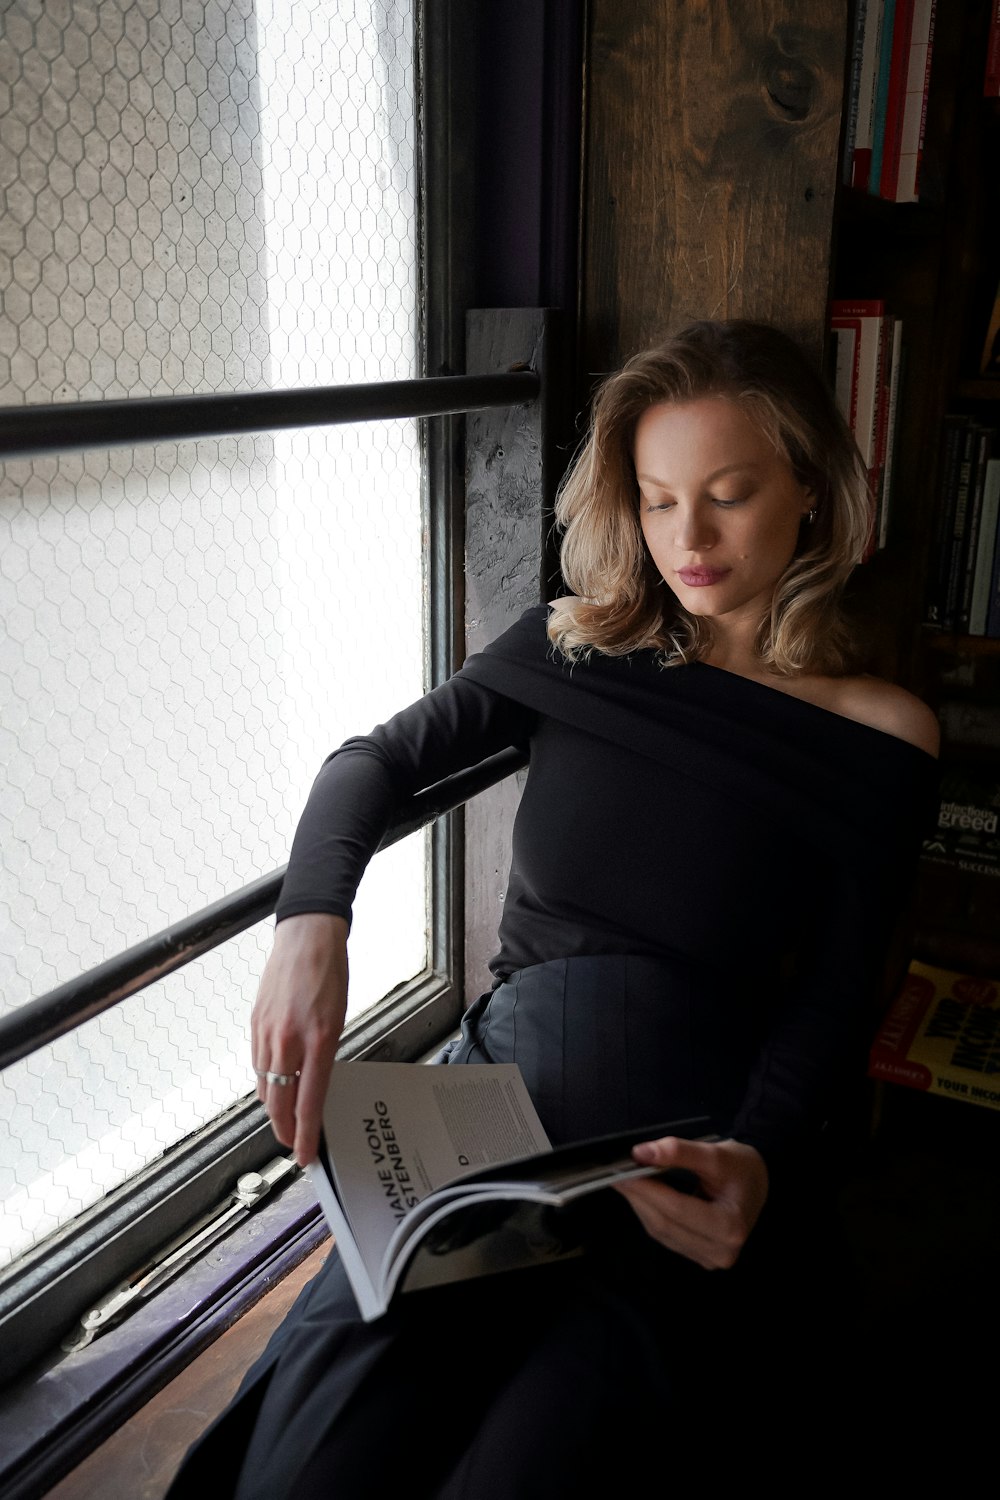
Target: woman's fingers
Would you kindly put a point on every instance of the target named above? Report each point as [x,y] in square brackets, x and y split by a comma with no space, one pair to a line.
[711,1226]
[296,1025]
[310,1096]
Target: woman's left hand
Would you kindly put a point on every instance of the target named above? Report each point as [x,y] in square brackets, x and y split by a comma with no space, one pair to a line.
[712,1227]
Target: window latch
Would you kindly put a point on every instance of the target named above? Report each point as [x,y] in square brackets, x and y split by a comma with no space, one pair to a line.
[250,1189]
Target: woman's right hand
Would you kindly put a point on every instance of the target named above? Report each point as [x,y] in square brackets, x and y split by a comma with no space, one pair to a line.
[296,1024]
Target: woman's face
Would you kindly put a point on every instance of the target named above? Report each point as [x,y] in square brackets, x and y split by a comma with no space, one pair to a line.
[720,508]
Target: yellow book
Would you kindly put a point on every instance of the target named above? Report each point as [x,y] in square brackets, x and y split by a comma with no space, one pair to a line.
[942,1035]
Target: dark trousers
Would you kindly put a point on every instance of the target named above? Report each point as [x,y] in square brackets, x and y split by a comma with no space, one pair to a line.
[562,1378]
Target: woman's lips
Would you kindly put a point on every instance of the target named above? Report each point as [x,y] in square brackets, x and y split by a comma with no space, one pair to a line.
[699,578]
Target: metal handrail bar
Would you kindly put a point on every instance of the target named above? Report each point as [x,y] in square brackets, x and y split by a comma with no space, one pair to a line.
[42,1020]
[32,430]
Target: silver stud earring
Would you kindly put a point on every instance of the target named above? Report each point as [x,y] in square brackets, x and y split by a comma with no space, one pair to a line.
[811,515]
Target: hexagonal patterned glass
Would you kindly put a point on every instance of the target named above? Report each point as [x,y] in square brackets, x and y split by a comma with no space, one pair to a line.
[195,195]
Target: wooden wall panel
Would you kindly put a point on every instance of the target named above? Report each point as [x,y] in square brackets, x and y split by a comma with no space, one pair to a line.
[710,171]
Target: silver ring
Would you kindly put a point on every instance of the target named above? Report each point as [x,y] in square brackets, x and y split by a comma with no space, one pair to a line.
[279,1078]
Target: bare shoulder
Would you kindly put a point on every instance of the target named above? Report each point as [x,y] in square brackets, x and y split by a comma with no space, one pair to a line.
[888,707]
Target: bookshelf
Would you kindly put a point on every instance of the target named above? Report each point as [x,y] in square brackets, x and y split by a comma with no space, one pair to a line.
[936,264]
[921,1203]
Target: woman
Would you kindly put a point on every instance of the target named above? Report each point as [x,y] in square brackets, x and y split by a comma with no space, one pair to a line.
[713,844]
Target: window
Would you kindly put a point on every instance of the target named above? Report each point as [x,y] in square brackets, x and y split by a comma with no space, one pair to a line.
[214,195]
[174,89]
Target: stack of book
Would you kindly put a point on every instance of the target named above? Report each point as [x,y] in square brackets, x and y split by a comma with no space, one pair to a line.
[964,576]
[868,370]
[887,97]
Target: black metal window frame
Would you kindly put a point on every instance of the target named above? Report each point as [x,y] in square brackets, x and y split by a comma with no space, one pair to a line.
[50,1284]
[465,116]
[54,1282]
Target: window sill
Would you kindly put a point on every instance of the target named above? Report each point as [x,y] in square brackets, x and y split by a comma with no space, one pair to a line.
[62,1409]
[141,1458]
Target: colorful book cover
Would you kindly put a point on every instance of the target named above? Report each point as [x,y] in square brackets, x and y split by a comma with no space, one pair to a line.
[942,1035]
[967,832]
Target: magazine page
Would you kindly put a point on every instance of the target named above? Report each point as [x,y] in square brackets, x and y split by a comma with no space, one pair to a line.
[397,1131]
[483,1238]
[508,1215]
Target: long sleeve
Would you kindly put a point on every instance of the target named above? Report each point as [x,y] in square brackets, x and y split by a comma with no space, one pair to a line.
[821,1026]
[362,784]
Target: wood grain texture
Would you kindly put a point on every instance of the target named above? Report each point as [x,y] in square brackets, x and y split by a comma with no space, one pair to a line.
[710,173]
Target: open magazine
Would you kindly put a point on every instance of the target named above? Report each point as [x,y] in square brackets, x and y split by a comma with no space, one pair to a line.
[432,1174]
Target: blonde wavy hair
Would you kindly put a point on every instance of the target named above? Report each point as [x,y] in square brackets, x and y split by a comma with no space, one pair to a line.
[620,603]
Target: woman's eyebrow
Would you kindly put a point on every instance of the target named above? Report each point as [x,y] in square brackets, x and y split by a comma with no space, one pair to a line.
[709,478]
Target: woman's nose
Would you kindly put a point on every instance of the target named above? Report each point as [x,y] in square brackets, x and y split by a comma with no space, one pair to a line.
[695,529]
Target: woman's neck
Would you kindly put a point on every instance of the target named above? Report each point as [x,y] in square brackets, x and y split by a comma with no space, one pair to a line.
[734,648]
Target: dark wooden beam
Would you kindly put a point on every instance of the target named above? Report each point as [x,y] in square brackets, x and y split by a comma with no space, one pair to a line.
[711,146]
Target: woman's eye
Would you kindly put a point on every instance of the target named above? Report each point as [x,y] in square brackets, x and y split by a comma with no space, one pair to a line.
[726,503]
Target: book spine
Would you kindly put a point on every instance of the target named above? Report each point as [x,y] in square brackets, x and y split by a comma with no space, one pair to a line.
[991,79]
[986,550]
[888,1055]
[895,99]
[882,423]
[951,448]
[881,98]
[993,607]
[862,155]
[853,92]
[846,332]
[892,427]
[984,450]
[868,316]
[911,148]
[960,521]
[989,360]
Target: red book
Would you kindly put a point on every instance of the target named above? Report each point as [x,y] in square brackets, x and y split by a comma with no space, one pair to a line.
[866,318]
[902,29]
[940,1035]
[918,78]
